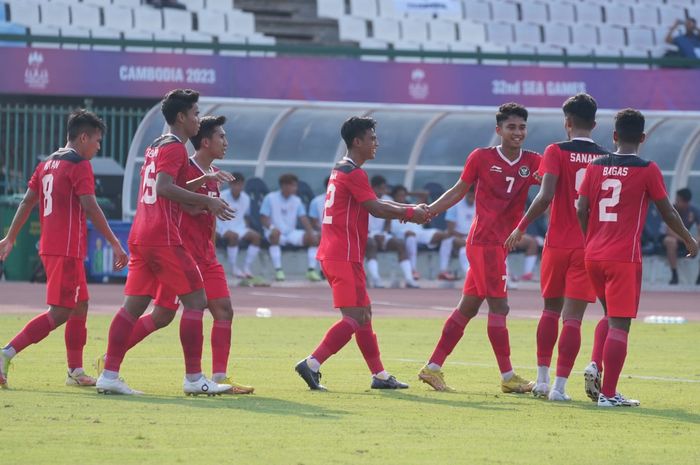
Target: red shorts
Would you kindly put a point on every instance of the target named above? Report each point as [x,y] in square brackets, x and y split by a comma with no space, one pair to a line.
[487,271]
[161,272]
[348,283]
[563,274]
[618,284]
[65,280]
[215,285]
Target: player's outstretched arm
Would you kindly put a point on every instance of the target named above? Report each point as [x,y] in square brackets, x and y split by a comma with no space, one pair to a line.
[218,176]
[582,207]
[21,215]
[671,217]
[95,214]
[539,205]
[165,187]
[453,195]
[387,209]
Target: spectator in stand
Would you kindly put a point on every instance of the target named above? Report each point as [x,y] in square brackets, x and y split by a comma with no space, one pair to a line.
[672,242]
[689,43]
[459,219]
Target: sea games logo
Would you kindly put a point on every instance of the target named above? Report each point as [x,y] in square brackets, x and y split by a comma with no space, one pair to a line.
[418,87]
[35,76]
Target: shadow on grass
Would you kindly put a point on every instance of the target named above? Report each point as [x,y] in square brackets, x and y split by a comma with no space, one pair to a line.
[250,403]
[673,414]
[446,400]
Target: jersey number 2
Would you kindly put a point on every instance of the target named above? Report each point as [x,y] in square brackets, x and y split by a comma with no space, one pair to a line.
[609,202]
[328,219]
[47,185]
[149,185]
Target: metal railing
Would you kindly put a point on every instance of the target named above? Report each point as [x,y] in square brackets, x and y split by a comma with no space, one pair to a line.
[30,131]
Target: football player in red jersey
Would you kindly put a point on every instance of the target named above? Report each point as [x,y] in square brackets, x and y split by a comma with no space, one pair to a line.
[64,187]
[349,201]
[197,230]
[566,289]
[502,176]
[612,208]
[159,264]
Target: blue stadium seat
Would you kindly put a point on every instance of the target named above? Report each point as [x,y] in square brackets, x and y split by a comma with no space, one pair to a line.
[304,191]
[11,28]
[435,190]
[256,189]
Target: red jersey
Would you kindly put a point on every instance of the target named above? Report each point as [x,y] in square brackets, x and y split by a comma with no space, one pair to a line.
[618,188]
[344,228]
[568,161]
[197,230]
[501,192]
[157,219]
[60,180]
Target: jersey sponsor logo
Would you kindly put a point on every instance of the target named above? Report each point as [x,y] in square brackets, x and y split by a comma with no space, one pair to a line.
[524,171]
[615,171]
[496,169]
[583,157]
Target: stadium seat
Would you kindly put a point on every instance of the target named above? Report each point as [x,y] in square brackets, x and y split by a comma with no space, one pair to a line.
[499,33]
[229,38]
[386,29]
[579,50]
[635,53]
[261,39]
[147,19]
[645,15]
[211,22]
[551,49]
[305,193]
[471,33]
[12,28]
[374,44]
[668,14]
[640,37]
[25,13]
[527,34]
[138,35]
[681,2]
[466,48]
[475,10]
[330,9]
[98,2]
[534,12]
[442,30]
[454,16]
[407,45]
[257,190]
[177,20]
[556,34]
[225,5]
[198,38]
[618,15]
[613,37]
[87,16]
[589,13]
[363,8]
[435,47]
[584,35]
[386,9]
[45,30]
[168,36]
[414,29]
[524,49]
[504,11]
[130,3]
[73,31]
[435,190]
[118,18]
[106,33]
[562,13]
[607,51]
[55,14]
[240,22]
[494,48]
[353,29]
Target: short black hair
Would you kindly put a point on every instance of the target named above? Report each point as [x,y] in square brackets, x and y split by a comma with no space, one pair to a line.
[509,109]
[207,125]
[377,180]
[238,177]
[398,188]
[356,126]
[177,101]
[81,121]
[629,125]
[581,108]
[684,194]
[288,178]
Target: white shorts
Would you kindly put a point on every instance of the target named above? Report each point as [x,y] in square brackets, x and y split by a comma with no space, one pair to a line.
[222,228]
[387,237]
[423,236]
[294,237]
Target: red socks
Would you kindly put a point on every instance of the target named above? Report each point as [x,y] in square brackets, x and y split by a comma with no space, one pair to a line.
[452,332]
[33,332]
[337,336]
[614,354]
[569,345]
[220,345]
[601,333]
[547,332]
[143,327]
[118,339]
[498,335]
[75,337]
[192,339]
[367,342]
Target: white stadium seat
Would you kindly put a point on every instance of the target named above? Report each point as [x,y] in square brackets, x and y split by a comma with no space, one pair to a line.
[407,45]
[640,37]
[534,12]
[386,9]
[556,34]
[579,50]
[464,47]
[551,49]
[199,38]
[635,53]
[118,18]
[240,22]
[589,13]
[45,30]
[471,33]
[499,33]
[84,15]
[612,37]
[475,10]
[527,34]
[522,49]
[72,31]
[562,13]
[105,33]
[98,2]
[374,44]
[414,30]
[148,19]
[25,13]
[330,8]
[363,8]
[177,20]
[604,51]
[386,29]
[55,14]
[211,22]
[436,47]
[504,11]
[442,30]
[668,14]
[645,15]
[138,35]
[169,36]
[584,35]
[618,15]
[494,48]
[227,5]
[350,28]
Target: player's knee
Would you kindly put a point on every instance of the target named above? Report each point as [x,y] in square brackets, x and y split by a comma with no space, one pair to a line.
[254,238]
[59,315]
[162,317]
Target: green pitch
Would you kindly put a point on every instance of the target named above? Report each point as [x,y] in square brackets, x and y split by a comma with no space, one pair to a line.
[44,422]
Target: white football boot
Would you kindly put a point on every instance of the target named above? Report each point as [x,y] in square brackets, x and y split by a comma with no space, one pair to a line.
[204,386]
[115,386]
